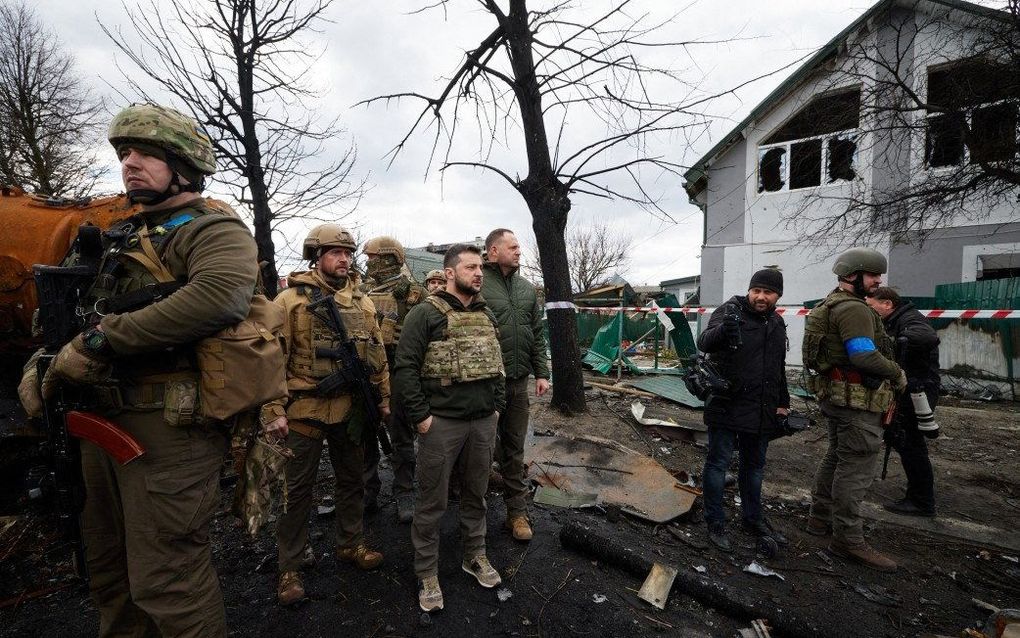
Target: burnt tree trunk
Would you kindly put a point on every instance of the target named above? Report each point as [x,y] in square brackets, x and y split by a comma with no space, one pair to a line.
[549,204]
[262,212]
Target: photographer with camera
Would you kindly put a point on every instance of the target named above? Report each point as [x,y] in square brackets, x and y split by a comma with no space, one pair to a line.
[917,352]
[746,342]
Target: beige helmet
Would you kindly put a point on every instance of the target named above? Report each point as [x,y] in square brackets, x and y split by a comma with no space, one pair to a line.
[860,260]
[326,236]
[384,245]
[165,128]
[435,274]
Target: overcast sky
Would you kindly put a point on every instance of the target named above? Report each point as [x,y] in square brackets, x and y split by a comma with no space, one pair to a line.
[376,47]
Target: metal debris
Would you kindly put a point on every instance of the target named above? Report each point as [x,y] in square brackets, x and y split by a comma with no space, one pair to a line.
[659,581]
[878,594]
[546,495]
[598,599]
[758,569]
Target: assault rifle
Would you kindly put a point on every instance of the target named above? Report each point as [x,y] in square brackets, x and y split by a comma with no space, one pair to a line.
[893,433]
[59,290]
[352,374]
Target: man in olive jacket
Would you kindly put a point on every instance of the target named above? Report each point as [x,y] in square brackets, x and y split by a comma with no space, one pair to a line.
[449,376]
[515,304]
[746,340]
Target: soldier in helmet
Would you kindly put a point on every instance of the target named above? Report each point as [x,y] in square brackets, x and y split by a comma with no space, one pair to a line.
[435,280]
[855,378]
[394,293]
[314,416]
[180,271]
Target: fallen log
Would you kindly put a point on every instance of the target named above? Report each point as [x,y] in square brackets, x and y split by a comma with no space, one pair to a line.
[616,388]
[576,536]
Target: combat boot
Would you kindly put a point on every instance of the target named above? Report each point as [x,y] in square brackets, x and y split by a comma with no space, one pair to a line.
[862,553]
[718,537]
[290,590]
[361,556]
[817,527]
[519,527]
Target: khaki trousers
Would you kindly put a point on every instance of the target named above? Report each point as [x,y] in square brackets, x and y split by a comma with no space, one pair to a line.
[437,452]
[511,433]
[347,458]
[146,529]
[847,470]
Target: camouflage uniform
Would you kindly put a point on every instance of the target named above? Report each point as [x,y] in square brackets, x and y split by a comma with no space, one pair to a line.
[313,417]
[393,295]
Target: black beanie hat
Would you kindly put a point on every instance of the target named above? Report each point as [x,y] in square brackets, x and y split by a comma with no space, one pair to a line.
[768,278]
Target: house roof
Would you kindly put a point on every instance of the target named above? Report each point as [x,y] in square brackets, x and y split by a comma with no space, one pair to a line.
[693,279]
[695,179]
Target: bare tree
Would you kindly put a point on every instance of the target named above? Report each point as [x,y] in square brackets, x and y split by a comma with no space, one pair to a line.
[49,120]
[937,88]
[529,78]
[594,253]
[242,68]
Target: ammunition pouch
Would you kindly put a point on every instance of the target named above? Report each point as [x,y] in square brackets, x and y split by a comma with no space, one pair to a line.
[846,388]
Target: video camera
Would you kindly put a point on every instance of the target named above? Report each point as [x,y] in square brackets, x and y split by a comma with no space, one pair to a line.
[791,424]
[702,379]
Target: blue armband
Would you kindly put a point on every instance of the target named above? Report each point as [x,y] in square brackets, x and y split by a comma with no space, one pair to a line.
[859,345]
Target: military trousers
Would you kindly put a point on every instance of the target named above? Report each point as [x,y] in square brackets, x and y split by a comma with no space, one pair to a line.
[347,458]
[437,452]
[146,529]
[510,436]
[847,470]
[401,434]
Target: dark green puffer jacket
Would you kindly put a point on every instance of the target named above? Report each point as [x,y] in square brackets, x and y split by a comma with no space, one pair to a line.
[514,302]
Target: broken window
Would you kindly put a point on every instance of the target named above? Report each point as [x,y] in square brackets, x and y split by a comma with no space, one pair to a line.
[771,169]
[973,117]
[842,157]
[813,147]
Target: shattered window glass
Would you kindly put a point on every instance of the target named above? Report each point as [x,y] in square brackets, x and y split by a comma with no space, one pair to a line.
[842,158]
[771,169]
[944,145]
[805,164]
[993,133]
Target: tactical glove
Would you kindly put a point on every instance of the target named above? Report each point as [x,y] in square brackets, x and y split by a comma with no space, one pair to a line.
[900,384]
[731,327]
[28,389]
[75,364]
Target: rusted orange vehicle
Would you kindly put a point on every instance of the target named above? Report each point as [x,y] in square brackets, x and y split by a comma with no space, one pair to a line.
[37,230]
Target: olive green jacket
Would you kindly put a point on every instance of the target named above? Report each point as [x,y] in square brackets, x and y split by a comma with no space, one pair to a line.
[215,255]
[423,397]
[513,300]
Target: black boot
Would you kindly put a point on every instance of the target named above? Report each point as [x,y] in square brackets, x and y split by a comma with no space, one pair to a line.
[717,536]
[763,527]
[909,508]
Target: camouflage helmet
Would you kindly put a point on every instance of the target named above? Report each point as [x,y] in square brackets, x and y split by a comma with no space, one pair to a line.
[860,260]
[384,245]
[435,274]
[326,236]
[167,129]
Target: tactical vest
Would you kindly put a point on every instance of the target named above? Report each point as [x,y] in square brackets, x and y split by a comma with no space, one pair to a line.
[392,301]
[823,352]
[304,362]
[192,380]
[469,350]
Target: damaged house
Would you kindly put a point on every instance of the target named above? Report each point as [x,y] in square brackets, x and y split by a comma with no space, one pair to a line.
[913,95]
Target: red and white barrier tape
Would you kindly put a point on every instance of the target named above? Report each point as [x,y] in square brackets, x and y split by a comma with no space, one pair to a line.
[786,311]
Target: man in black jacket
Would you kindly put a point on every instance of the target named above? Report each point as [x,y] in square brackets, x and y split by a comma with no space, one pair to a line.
[746,340]
[917,352]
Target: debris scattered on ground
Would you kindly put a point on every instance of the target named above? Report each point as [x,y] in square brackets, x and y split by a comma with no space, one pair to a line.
[639,484]
[701,569]
[546,495]
[598,599]
[878,594]
[758,629]
[668,387]
[504,594]
[758,569]
[655,589]
[326,510]
[622,390]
